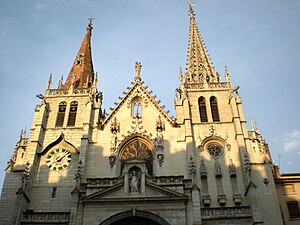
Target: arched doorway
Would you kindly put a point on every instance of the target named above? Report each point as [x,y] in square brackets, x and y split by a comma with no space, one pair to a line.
[135,218]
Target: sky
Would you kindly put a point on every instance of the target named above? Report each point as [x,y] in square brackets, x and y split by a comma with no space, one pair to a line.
[257,40]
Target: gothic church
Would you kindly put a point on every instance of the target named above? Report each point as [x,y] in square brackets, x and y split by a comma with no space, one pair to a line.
[137,164]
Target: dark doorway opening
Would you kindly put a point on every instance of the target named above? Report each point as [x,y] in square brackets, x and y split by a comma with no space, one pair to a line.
[135,221]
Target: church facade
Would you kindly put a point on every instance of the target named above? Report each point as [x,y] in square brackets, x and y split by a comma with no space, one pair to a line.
[137,164]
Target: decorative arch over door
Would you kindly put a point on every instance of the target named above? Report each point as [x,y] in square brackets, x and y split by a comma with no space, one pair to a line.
[134,218]
[137,147]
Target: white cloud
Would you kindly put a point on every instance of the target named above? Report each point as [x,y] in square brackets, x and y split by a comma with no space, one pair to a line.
[291,141]
[38,6]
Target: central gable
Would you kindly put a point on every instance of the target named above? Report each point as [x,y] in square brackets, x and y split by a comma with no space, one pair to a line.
[138,99]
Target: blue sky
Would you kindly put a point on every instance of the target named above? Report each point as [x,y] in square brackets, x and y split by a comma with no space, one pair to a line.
[258,40]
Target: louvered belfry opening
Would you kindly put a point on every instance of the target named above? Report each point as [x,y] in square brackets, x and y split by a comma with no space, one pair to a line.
[214,109]
[202,109]
[72,114]
[61,114]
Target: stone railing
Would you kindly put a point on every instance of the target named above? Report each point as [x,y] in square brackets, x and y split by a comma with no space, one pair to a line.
[194,85]
[46,217]
[102,182]
[63,91]
[168,180]
[243,211]
[197,85]
[219,85]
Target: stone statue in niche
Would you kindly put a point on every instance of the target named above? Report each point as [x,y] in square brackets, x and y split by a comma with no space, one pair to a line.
[134,181]
[218,170]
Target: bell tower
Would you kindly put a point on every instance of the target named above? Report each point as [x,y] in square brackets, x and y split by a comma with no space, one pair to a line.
[56,148]
[216,136]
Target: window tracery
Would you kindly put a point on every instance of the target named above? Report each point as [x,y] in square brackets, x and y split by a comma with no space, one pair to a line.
[215,150]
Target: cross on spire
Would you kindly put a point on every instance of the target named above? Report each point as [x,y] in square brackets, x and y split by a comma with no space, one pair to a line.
[191,3]
[91,20]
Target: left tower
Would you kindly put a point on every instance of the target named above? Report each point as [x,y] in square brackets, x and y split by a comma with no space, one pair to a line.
[40,173]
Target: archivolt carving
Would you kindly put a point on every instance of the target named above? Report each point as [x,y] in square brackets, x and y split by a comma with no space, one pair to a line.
[136,148]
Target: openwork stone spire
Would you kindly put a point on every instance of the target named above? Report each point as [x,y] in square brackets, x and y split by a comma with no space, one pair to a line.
[199,67]
[82,67]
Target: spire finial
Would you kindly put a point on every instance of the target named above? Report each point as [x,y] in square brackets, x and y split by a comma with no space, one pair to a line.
[191,11]
[91,20]
[90,25]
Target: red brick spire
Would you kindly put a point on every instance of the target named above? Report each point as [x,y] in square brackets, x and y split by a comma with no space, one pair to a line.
[82,72]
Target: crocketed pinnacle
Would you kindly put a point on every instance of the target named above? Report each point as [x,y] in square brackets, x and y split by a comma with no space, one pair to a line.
[82,71]
[199,67]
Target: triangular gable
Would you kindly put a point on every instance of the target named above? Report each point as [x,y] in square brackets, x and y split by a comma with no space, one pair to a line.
[138,85]
[153,192]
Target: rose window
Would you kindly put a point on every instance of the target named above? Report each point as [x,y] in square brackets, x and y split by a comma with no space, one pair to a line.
[215,150]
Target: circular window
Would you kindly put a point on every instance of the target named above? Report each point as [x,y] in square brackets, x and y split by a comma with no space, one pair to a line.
[215,150]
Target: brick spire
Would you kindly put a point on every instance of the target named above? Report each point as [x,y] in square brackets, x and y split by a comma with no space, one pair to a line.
[199,66]
[82,71]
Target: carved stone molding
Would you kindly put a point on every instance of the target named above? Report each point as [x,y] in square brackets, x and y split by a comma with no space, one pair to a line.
[228,212]
[168,180]
[101,182]
[46,217]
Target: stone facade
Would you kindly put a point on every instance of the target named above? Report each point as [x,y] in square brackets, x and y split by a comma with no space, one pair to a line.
[288,189]
[137,164]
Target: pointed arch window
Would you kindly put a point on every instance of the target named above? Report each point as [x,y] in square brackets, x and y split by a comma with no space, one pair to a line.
[136,107]
[214,109]
[72,114]
[202,109]
[61,114]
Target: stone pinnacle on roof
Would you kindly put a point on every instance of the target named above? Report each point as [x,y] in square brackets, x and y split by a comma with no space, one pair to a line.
[83,64]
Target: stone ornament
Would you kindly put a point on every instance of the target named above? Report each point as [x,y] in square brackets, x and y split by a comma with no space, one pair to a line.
[138,67]
[218,169]
[203,169]
[192,167]
[232,169]
[134,181]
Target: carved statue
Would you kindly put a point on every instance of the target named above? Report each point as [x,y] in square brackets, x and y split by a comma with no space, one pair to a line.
[134,182]
[203,169]
[218,170]
[138,67]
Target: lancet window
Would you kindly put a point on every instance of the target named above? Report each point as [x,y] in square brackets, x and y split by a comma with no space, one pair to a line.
[72,114]
[136,107]
[61,114]
[202,109]
[214,109]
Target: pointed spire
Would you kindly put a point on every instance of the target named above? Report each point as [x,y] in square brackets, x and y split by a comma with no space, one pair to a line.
[83,64]
[199,66]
